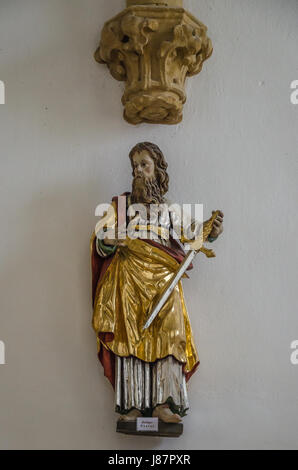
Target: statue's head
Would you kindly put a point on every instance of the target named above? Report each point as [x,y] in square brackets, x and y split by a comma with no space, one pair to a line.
[151,180]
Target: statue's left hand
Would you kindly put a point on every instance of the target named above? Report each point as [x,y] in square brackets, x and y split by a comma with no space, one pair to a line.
[217,225]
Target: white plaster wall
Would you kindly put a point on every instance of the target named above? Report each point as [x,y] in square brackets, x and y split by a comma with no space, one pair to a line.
[64,148]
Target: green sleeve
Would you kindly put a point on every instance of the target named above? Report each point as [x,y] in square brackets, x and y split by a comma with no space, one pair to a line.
[107,250]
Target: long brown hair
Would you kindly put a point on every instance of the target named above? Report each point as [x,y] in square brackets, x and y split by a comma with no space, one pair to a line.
[161,165]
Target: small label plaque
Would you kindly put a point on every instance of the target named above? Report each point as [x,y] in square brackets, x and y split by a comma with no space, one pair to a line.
[147,424]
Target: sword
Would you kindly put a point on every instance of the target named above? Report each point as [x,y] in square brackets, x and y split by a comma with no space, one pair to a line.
[196,246]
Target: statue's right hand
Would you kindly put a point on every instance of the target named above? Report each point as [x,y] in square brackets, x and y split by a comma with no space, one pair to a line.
[120,240]
[110,242]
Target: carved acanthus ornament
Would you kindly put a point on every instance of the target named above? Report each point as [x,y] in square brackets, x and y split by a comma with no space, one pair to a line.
[153,46]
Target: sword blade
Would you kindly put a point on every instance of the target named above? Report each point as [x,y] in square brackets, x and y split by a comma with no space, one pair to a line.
[170,287]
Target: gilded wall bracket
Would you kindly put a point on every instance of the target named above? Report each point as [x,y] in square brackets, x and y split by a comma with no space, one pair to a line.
[153,46]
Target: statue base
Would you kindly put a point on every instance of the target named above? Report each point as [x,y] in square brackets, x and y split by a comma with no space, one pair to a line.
[164,429]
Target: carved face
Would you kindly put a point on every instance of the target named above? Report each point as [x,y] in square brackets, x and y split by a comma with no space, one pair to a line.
[145,188]
[143,165]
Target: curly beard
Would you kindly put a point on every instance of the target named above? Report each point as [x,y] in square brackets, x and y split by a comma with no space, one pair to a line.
[145,191]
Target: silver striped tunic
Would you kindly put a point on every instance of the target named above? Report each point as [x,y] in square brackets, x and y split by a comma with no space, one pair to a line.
[143,386]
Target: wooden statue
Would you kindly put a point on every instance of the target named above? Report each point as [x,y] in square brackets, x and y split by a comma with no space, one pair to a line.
[148,360]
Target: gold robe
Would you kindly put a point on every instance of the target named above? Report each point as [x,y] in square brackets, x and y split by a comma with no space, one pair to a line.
[123,300]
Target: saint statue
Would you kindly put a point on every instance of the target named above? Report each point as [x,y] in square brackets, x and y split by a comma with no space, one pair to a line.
[148,368]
